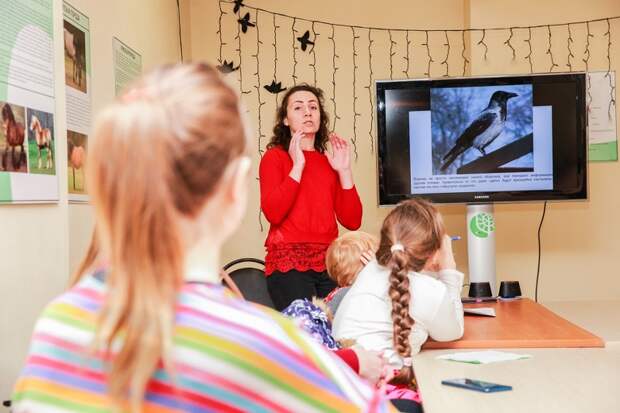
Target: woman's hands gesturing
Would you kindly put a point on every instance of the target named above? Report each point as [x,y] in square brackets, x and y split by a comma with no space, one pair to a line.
[297,156]
[340,157]
[340,160]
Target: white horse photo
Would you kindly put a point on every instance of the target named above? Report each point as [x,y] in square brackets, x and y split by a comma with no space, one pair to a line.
[43,137]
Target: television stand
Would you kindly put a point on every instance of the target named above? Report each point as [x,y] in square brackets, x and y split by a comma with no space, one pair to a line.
[481,244]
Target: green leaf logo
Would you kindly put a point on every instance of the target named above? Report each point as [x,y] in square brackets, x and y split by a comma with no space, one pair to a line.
[482,224]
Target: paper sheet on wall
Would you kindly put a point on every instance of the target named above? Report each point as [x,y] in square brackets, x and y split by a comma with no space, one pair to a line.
[602,134]
[27,137]
[127,65]
[78,81]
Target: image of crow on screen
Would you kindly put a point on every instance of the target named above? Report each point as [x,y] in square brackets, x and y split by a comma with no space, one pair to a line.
[469,123]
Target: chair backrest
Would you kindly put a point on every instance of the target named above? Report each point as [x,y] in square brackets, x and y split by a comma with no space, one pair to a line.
[250,280]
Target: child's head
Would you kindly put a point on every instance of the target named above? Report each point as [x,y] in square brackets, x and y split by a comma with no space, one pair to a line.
[411,235]
[417,227]
[343,257]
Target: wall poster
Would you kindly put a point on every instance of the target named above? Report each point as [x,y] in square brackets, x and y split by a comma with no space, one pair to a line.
[127,65]
[28,164]
[78,83]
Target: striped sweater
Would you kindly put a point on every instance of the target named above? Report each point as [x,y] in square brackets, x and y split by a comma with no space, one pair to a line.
[229,356]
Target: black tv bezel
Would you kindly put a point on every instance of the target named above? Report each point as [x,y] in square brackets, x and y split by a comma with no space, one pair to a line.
[581,193]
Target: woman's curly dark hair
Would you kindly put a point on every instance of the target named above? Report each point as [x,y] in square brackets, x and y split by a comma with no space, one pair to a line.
[282,133]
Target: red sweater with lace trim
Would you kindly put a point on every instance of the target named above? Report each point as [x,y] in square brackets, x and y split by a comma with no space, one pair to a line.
[303,214]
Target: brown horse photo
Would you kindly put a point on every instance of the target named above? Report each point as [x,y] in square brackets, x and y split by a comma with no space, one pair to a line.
[75,57]
[12,152]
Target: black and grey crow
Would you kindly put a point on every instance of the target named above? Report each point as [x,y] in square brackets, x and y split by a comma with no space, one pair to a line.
[483,130]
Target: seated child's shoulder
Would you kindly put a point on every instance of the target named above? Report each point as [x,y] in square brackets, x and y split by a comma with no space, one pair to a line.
[427,283]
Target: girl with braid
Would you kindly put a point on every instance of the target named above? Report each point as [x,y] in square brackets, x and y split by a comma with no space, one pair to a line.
[410,292]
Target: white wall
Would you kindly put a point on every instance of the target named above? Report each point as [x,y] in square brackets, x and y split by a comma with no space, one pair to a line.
[579,246]
[41,244]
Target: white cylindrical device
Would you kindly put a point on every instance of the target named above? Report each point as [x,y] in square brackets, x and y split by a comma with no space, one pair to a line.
[481,244]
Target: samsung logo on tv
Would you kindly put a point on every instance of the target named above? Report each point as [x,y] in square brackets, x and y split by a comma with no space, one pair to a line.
[481,196]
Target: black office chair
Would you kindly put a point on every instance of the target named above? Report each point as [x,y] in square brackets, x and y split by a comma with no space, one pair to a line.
[251,280]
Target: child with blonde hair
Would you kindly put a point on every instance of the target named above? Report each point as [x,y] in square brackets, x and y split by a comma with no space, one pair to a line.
[345,258]
[411,292]
[153,330]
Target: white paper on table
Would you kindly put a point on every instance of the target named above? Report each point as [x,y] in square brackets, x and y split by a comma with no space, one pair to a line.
[483,357]
[486,311]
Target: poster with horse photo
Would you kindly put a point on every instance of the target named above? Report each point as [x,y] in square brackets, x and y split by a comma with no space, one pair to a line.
[28,172]
[78,80]
[12,138]
[41,138]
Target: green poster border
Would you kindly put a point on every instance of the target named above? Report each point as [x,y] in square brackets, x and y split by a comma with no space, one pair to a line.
[603,152]
[6,193]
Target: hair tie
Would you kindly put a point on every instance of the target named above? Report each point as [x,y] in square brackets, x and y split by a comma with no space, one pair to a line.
[397,247]
[407,362]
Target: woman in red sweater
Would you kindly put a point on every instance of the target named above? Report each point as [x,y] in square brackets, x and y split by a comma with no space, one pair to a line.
[304,189]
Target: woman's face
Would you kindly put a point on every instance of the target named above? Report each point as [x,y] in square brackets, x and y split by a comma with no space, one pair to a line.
[303,113]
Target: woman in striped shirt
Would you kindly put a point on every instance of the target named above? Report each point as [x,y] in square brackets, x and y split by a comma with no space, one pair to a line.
[153,330]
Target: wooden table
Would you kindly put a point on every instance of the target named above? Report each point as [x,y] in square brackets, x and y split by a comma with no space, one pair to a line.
[519,324]
[554,380]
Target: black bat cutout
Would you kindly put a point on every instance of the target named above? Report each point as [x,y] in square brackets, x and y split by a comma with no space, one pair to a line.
[238,5]
[227,67]
[245,23]
[275,87]
[305,40]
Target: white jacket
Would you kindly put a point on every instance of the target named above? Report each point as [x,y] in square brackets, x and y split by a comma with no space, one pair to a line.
[365,312]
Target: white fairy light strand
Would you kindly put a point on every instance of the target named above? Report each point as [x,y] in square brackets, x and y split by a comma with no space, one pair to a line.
[219,31]
[293,36]
[335,67]
[238,38]
[355,113]
[509,43]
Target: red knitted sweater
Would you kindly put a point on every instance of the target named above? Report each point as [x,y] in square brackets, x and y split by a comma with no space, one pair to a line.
[303,214]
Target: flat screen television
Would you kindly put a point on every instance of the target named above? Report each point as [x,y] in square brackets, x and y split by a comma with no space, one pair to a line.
[483,139]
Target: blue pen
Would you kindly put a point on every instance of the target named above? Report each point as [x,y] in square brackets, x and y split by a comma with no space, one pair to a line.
[455,238]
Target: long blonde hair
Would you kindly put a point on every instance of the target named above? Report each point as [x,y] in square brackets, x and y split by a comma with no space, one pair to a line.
[158,153]
[89,260]
[418,227]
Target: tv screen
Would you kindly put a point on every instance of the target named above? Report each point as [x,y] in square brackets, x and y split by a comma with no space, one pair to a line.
[483,139]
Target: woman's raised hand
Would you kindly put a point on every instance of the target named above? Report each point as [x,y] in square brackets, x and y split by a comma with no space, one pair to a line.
[297,155]
[340,160]
[340,156]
